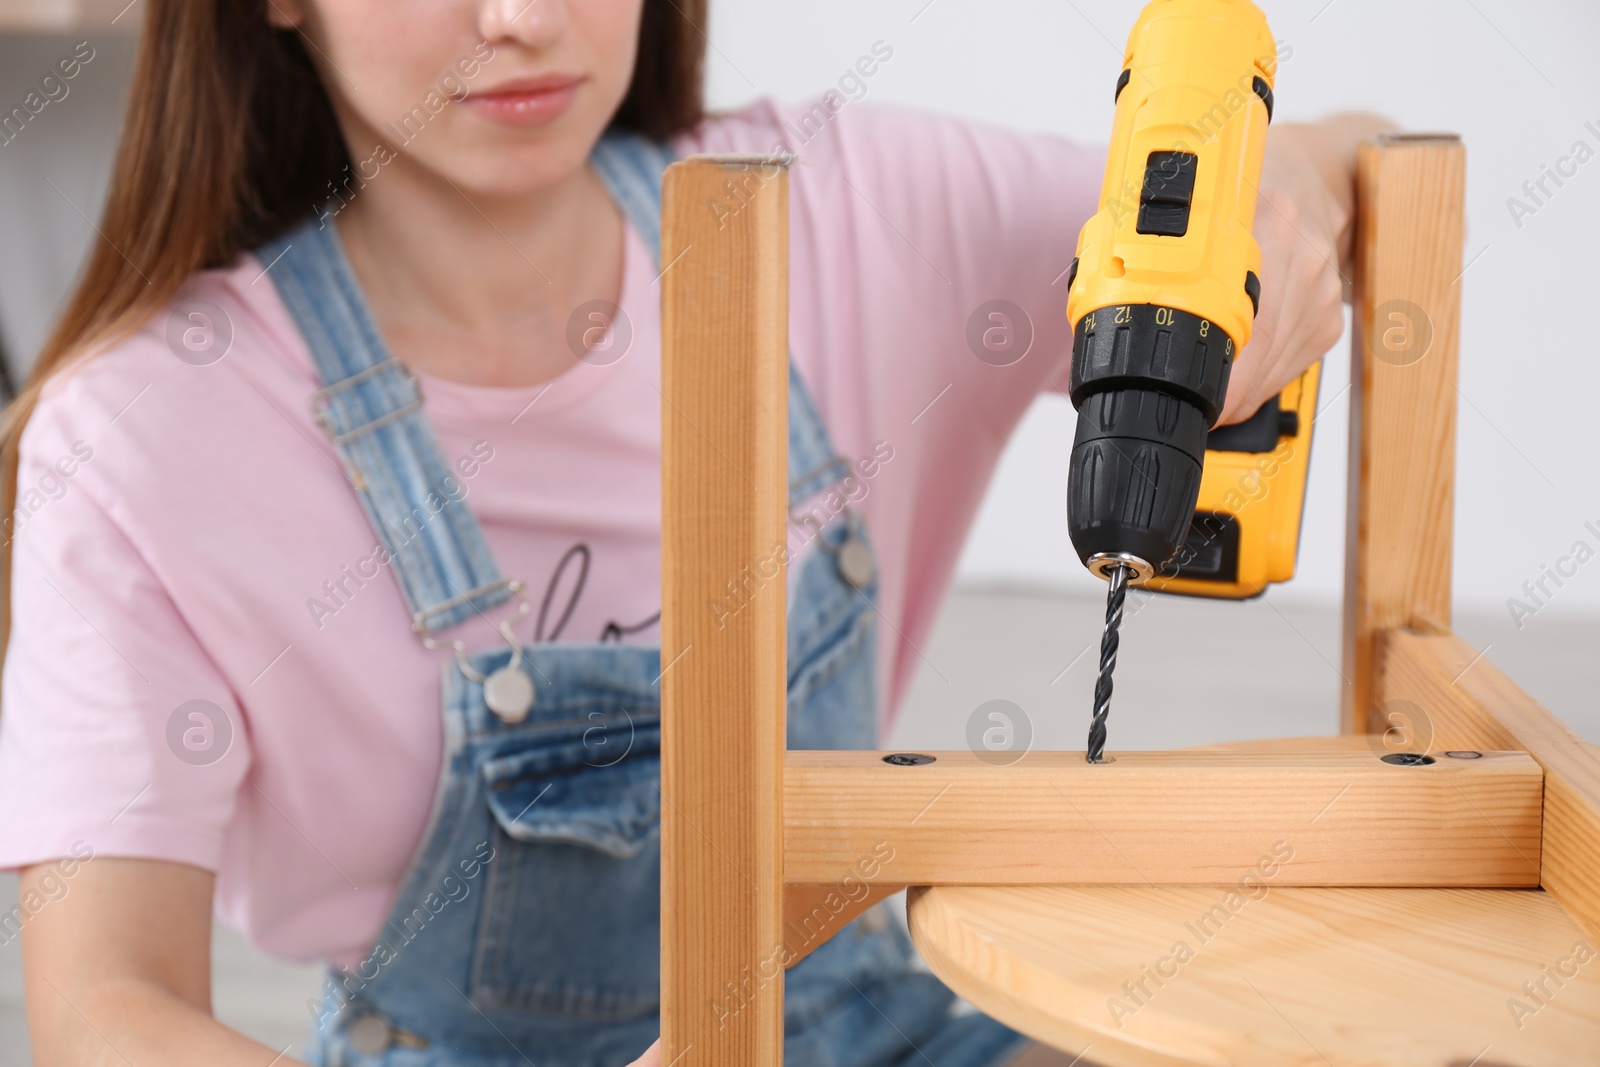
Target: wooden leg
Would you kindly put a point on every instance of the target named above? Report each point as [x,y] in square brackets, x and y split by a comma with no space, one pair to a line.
[724,434]
[1403,399]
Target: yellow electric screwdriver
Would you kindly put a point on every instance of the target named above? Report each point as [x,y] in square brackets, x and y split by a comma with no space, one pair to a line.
[1162,296]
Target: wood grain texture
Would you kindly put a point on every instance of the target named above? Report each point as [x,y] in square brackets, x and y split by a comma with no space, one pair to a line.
[1406,318]
[1416,699]
[1281,977]
[724,433]
[812,914]
[1164,818]
[1466,701]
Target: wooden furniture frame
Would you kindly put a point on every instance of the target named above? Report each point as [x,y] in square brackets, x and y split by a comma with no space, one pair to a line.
[766,853]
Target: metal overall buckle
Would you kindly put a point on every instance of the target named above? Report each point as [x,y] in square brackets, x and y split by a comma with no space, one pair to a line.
[508,691]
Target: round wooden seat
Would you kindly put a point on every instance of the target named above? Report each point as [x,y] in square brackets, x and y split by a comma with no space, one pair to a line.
[1274,977]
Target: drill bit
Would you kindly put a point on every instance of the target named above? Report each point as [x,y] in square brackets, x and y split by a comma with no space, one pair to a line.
[1118,592]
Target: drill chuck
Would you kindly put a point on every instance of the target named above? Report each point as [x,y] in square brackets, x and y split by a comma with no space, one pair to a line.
[1148,382]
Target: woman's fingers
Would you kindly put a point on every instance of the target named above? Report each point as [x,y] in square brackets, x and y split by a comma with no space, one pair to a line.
[1300,316]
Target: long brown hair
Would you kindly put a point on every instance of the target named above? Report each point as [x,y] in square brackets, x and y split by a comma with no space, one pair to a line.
[229,140]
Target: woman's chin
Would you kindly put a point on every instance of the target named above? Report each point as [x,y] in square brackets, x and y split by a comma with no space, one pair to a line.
[496,172]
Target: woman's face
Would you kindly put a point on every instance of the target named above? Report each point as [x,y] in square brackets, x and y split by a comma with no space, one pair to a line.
[500,97]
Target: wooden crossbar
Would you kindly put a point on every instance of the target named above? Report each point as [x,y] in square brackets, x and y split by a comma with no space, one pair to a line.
[1164,818]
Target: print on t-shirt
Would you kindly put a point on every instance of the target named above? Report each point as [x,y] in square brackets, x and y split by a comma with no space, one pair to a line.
[612,631]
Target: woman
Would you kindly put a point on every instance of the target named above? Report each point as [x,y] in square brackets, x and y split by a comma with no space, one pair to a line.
[359,391]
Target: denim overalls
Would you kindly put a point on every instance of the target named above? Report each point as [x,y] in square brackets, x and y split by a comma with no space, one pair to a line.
[527,928]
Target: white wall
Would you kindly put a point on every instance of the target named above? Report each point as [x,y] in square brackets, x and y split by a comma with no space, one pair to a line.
[55,169]
[1514,78]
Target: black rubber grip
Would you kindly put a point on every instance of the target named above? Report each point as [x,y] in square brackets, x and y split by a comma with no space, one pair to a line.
[1260,87]
[1143,415]
[1130,495]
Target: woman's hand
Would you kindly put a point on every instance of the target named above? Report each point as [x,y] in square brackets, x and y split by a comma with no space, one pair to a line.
[1304,224]
[651,1057]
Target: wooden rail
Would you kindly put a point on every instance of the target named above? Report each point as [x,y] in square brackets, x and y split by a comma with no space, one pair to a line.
[1338,818]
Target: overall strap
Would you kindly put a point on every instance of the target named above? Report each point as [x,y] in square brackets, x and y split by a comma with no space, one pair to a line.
[631,168]
[371,406]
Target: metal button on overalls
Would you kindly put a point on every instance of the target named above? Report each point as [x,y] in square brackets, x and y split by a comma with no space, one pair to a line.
[855,562]
[369,1034]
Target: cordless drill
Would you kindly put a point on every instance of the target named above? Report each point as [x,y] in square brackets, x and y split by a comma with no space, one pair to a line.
[1161,297]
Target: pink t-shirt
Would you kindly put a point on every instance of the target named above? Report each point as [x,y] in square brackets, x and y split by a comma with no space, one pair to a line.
[184,533]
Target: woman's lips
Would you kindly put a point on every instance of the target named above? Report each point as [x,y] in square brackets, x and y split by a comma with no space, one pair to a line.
[528,102]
